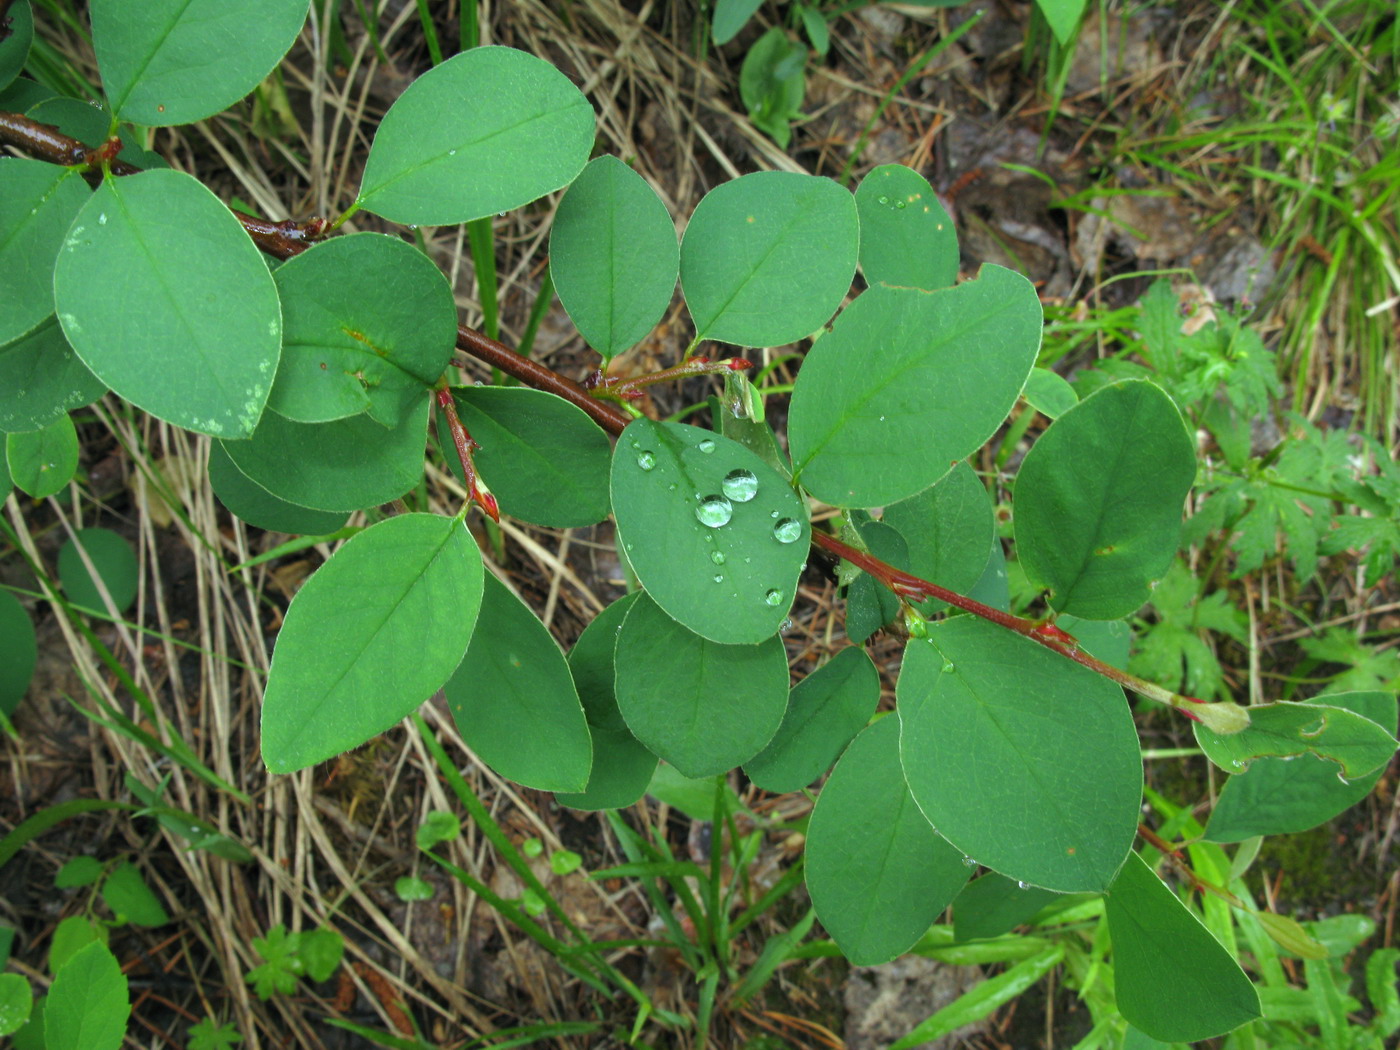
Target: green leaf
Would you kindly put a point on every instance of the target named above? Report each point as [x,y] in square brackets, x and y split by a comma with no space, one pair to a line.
[1063,17]
[543,458]
[115,563]
[1173,979]
[320,951]
[772,81]
[826,710]
[177,61]
[767,258]
[42,462]
[368,325]
[613,256]
[248,500]
[1098,500]
[993,905]
[878,874]
[438,826]
[342,466]
[210,1035]
[906,238]
[412,888]
[21,652]
[374,633]
[701,706]
[486,131]
[87,1004]
[1275,796]
[622,767]
[79,871]
[909,382]
[731,16]
[16,998]
[1343,737]
[717,537]
[948,529]
[192,331]
[91,125]
[279,973]
[70,936]
[38,202]
[1020,758]
[1049,393]
[869,604]
[14,52]
[130,899]
[41,379]
[514,700]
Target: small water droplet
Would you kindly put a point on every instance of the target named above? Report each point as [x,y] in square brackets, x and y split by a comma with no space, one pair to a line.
[716,556]
[786,625]
[714,511]
[968,862]
[773,597]
[899,204]
[947,666]
[646,460]
[452,153]
[719,578]
[1020,885]
[102,219]
[787,531]
[773,514]
[706,446]
[882,419]
[740,485]
[884,200]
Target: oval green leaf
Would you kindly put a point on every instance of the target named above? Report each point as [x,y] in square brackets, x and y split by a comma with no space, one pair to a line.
[731,580]
[1049,393]
[906,238]
[1350,741]
[514,700]
[368,325]
[948,528]
[613,256]
[1020,758]
[543,458]
[375,632]
[115,564]
[1098,500]
[130,899]
[767,258]
[41,379]
[342,466]
[21,652]
[730,16]
[192,331]
[250,502]
[486,131]
[38,202]
[169,62]
[14,49]
[994,905]
[909,382]
[878,874]
[824,712]
[1173,979]
[701,706]
[16,1002]
[1276,796]
[41,462]
[622,767]
[87,1005]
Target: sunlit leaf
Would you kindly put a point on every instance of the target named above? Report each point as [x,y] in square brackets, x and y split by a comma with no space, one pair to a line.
[906,238]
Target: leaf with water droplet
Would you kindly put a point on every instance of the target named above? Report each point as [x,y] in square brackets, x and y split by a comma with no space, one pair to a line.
[701,706]
[1286,729]
[916,246]
[673,535]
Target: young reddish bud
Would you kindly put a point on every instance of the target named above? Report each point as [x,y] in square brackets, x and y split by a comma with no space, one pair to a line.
[738,364]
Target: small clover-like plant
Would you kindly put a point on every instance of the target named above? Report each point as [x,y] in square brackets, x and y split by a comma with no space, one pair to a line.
[1011,746]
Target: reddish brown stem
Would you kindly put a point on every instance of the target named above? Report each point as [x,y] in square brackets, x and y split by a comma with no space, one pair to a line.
[631,389]
[477,492]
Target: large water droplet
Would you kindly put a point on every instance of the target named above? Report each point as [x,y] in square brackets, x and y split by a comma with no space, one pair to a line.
[716,556]
[706,446]
[787,531]
[714,511]
[740,485]
[774,597]
[646,460]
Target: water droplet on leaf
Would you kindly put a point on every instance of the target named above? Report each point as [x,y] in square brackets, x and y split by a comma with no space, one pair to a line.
[706,446]
[787,530]
[1020,885]
[714,511]
[716,556]
[774,597]
[646,460]
[947,666]
[740,485]
[968,862]
[719,578]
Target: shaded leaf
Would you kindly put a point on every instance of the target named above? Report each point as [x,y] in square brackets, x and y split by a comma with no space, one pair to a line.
[38,202]
[948,528]
[486,131]
[20,650]
[1049,393]
[116,565]
[994,904]
[41,379]
[878,874]
[909,382]
[731,16]
[14,51]
[249,501]
[375,632]
[41,462]
[514,700]
[701,706]
[130,899]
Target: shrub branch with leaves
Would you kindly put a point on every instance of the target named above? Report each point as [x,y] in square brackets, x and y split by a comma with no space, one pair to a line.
[1012,745]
